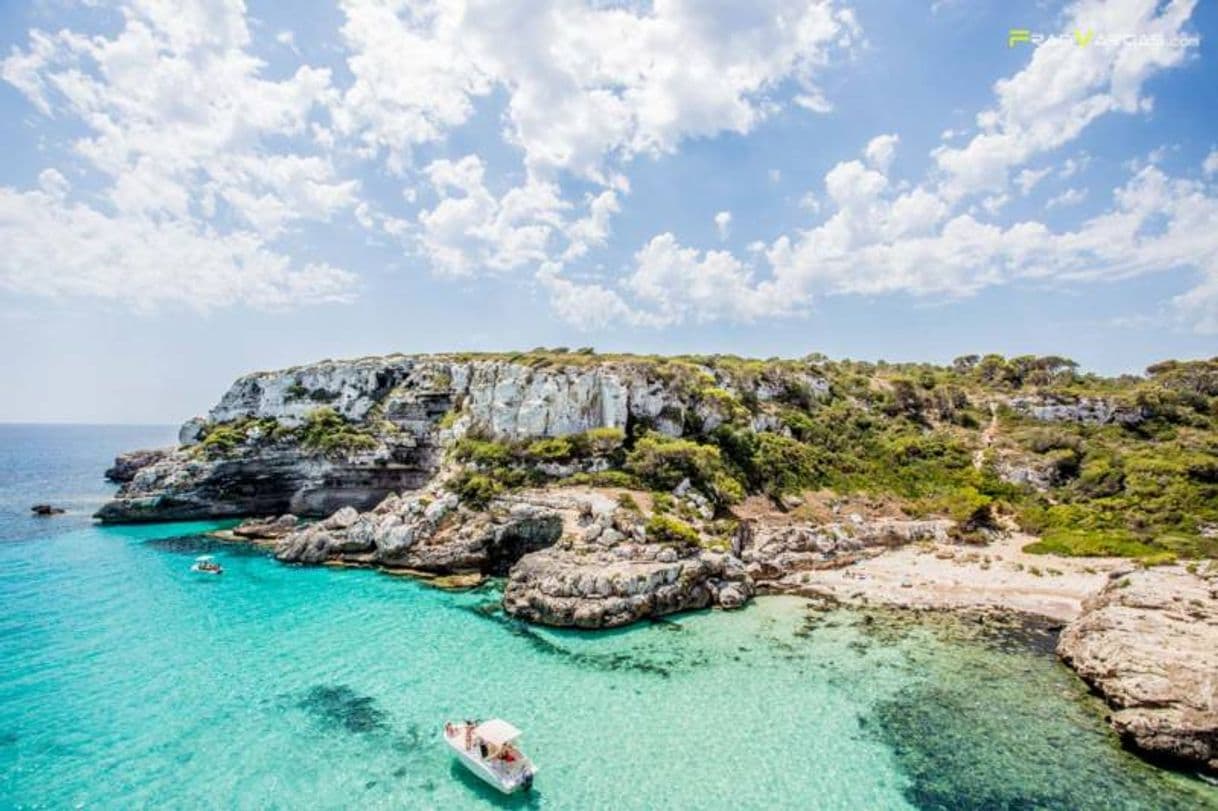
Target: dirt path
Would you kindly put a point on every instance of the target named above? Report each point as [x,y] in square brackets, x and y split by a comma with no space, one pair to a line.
[987,438]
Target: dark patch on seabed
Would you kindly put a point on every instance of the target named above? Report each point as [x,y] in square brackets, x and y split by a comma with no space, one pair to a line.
[203,545]
[966,747]
[661,664]
[340,707]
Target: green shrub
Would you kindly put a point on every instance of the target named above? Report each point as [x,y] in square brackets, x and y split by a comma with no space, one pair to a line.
[969,508]
[222,440]
[485,452]
[1082,543]
[627,502]
[475,489]
[668,530]
[662,462]
[326,431]
[550,449]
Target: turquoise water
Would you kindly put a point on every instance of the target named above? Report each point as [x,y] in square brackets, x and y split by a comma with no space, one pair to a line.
[126,681]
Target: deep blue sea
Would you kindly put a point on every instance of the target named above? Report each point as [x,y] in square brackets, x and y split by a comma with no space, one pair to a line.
[126,682]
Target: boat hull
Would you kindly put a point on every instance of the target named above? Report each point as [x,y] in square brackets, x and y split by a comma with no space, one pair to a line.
[508,784]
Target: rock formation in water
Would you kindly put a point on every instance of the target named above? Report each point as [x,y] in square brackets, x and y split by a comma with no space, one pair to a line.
[1148,643]
[126,465]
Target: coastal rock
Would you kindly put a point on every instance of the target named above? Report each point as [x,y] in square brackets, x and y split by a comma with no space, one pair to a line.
[1148,643]
[586,588]
[266,529]
[251,454]
[46,510]
[426,532]
[775,550]
[1085,410]
[126,465]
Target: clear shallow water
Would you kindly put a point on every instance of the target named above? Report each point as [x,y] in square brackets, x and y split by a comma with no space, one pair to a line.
[125,681]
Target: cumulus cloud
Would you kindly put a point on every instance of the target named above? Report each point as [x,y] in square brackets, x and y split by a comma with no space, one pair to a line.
[1065,88]
[209,183]
[880,151]
[723,224]
[1070,197]
[58,248]
[585,83]
[882,238]
[1210,165]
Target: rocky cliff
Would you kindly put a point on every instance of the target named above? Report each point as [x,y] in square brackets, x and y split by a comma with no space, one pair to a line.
[312,439]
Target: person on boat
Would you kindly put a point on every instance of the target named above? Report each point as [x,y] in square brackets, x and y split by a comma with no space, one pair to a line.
[469,734]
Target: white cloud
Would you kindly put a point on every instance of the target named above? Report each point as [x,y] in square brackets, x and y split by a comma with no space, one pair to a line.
[676,283]
[880,151]
[879,238]
[470,229]
[1070,197]
[1064,88]
[584,83]
[723,224]
[1028,178]
[195,153]
[56,248]
[1210,165]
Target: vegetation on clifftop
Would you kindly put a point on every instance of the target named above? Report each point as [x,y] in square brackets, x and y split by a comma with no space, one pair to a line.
[933,440]
[1092,465]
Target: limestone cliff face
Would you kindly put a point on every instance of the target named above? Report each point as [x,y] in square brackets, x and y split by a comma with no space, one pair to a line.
[252,453]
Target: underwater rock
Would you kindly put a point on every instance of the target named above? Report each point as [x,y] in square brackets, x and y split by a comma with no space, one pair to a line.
[1148,643]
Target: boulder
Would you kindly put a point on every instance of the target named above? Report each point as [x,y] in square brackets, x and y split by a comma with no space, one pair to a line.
[577,586]
[1148,644]
[126,465]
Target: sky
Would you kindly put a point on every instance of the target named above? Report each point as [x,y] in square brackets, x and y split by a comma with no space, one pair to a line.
[199,189]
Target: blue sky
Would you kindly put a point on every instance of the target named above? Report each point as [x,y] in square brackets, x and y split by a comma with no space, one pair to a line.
[221,187]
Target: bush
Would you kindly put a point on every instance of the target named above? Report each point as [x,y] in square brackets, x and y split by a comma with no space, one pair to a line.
[550,449]
[325,430]
[627,502]
[1083,543]
[485,452]
[475,489]
[969,508]
[667,530]
[1101,477]
[223,440]
[662,462]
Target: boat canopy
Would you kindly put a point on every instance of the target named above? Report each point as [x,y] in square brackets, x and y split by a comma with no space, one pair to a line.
[497,732]
[202,558]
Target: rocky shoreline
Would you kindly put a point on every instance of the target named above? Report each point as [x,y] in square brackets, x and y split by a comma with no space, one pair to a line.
[400,464]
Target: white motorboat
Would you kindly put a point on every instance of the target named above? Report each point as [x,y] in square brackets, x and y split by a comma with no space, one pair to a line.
[206,564]
[488,749]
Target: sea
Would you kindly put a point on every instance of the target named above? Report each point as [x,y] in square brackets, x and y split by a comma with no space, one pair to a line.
[128,681]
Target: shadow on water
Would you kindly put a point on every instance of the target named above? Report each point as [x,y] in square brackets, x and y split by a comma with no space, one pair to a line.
[204,545]
[662,663]
[526,799]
